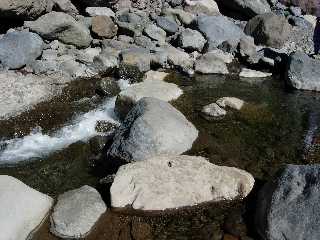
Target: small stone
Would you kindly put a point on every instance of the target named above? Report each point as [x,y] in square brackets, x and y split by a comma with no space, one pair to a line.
[250,73]
[213,111]
[231,102]
[100,11]
[104,27]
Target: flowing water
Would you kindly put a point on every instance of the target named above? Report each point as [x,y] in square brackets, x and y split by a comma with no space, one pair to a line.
[275,127]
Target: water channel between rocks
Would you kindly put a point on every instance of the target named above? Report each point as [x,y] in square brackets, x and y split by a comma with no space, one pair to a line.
[273,128]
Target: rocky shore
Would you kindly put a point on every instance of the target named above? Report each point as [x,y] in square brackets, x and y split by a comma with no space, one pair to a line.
[141,141]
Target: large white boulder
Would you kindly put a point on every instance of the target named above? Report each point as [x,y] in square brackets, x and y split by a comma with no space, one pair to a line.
[22,209]
[76,212]
[165,182]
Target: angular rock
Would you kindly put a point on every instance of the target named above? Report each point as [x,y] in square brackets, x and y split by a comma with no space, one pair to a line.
[22,209]
[149,88]
[25,10]
[179,58]
[100,11]
[107,60]
[191,40]
[247,8]
[155,33]
[269,29]
[185,17]
[218,29]
[65,6]
[248,50]
[303,72]
[167,24]
[209,63]
[152,127]
[213,111]
[207,7]
[19,48]
[76,212]
[288,205]
[231,102]
[166,182]
[104,27]
[223,56]
[61,26]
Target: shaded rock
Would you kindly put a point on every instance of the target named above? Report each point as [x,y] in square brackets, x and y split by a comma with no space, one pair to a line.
[155,33]
[230,102]
[22,210]
[25,10]
[107,87]
[303,72]
[65,6]
[149,88]
[269,29]
[165,182]
[288,204]
[61,26]
[19,48]
[106,127]
[250,73]
[247,8]
[100,11]
[213,111]
[107,60]
[218,29]
[167,24]
[185,17]
[209,63]
[223,56]
[152,127]
[248,50]
[104,27]
[207,7]
[76,212]
[191,40]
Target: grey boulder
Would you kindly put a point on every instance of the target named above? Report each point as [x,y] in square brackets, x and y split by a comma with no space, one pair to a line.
[76,212]
[167,24]
[152,127]
[303,72]
[19,48]
[191,40]
[166,182]
[288,205]
[218,29]
[210,63]
[61,26]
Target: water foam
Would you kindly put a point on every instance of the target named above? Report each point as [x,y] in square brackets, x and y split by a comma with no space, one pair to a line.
[39,145]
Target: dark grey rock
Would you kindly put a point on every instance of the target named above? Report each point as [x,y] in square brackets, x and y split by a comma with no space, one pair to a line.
[19,48]
[107,87]
[288,205]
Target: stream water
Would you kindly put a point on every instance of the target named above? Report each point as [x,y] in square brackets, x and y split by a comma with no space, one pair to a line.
[275,127]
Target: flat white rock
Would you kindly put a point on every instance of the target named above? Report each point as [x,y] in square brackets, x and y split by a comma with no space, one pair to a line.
[213,110]
[250,73]
[165,182]
[22,209]
[155,75]
[76,212]
[100,11]
[231,102]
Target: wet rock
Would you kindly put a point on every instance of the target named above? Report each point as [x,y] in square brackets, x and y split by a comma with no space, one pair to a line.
[207,7]
[148,88]
[104,27]
[152,127]
[97,145]
[25,10]
[76,212]
[167,24]
[209,63]
[155,33]
[191,40]
[61,26]
[230,102]
[22,210]
[105,127]
[288,204]
[303,72]
[247,8]
[250,73]
[107,87]
[19,48]
[269,29]
[213,112]
[100,11]
[235,224]
[218,29]
[165,182]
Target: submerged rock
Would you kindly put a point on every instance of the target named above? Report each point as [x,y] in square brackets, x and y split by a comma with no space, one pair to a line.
[288,205]
[22,209]
[165,182]
[303,72]
[231,102]
[76,212]
[61,26]
[152,127]
[19,48]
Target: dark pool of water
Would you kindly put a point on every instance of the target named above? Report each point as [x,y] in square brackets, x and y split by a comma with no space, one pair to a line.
[269,131]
